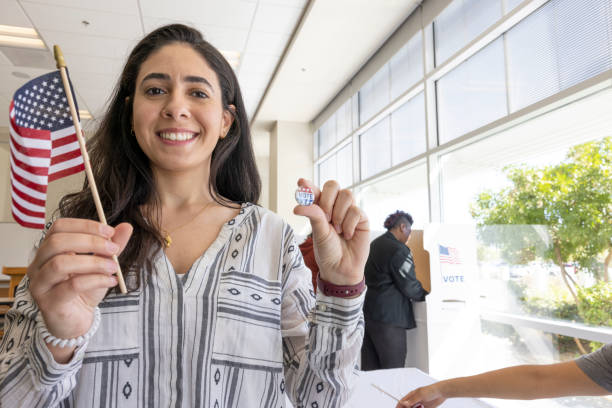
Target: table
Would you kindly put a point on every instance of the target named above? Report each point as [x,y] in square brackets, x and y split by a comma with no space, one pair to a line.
[16,274]
[397,382]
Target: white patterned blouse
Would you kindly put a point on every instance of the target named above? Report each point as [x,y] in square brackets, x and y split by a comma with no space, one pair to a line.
[241,329]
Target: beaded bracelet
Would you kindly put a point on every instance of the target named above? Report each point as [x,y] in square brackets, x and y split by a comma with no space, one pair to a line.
[77,341]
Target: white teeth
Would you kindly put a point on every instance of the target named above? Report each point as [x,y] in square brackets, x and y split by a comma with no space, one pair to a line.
[176,136]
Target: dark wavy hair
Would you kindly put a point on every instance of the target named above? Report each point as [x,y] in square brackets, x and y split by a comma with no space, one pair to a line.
[122,171]
[397,218]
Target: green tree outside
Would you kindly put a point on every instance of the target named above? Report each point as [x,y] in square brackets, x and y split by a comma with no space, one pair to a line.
[573,202]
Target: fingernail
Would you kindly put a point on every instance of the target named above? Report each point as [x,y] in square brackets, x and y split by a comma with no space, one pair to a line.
[328,217]
[338,229]
[107,230]
[112,247]
[112,280]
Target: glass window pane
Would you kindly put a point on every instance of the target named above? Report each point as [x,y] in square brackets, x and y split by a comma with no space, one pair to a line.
[327,170]
[344,120]
[408,129]
[327,135]
[473,94]
[406,191]
[406,67]
[375,149]
[514,272]
[345,166]
[559,45]
[374,95]
[461,22]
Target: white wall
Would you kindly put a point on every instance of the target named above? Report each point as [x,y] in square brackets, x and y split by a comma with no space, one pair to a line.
[261,148]
[291,157]
[17,241]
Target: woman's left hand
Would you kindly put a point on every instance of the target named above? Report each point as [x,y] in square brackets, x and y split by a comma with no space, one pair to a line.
[340,233]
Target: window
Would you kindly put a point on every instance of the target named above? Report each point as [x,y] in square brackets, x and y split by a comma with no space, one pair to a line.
[473,94]
[406,191]
[327,170]
[561,44]
[374,95]
[344,120]
[408,130]
[461,22]
[375,149]
[406,66]
[327,135]
[338,167]
[345,166]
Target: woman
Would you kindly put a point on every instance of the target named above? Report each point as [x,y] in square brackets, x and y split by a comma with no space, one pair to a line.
[221,311]
[392,287]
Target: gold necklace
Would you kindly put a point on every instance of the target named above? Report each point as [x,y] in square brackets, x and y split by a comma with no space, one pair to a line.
[168,239]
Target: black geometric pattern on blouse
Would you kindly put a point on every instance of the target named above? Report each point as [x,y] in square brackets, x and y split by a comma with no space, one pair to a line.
[276,301]
[234,291]
[291,248]
[128,362]
[320,387]
[256,296]
[238,237]
[235,253]
[217,376]
[127,390]
[282,386]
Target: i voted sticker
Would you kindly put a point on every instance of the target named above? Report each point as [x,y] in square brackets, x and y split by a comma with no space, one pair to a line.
[304,196]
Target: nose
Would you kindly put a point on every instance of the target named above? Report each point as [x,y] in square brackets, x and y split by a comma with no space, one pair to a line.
[176,107]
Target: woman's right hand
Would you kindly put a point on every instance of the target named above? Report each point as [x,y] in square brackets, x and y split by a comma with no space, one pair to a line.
[71,273]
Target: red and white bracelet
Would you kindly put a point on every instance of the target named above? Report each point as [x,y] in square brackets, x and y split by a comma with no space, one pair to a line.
[329,289]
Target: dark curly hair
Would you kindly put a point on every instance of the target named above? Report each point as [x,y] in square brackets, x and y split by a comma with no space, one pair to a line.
[397,218]
[122,171]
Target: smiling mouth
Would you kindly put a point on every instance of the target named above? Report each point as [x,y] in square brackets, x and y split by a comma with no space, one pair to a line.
[177,136]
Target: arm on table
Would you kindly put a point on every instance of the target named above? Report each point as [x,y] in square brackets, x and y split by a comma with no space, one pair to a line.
[521,382]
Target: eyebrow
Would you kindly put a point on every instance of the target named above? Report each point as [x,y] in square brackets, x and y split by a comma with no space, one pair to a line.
[189,78]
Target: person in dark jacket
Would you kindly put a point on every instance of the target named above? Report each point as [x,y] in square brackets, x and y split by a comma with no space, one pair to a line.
[392,287]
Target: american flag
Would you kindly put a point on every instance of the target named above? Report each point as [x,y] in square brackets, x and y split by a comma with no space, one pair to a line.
[449,255]
[43,146]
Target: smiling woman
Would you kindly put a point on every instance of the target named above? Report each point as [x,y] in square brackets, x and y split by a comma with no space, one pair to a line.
[222,313]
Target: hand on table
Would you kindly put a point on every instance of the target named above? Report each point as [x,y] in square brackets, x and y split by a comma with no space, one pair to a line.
[72,272]
[425,397]
[340,233]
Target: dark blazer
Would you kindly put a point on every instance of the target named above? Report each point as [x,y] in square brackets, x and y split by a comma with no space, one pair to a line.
[392,283]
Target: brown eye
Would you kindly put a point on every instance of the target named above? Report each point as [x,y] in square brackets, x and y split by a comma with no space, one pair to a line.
[154,91]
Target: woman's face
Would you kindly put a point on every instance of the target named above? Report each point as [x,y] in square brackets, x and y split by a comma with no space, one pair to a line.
[178,113]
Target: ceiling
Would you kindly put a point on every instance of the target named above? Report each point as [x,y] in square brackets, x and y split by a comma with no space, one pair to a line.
[310,59]
[335,40]
[95,52]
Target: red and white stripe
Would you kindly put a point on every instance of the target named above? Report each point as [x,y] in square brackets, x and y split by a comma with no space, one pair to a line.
[452,257]
[38,157]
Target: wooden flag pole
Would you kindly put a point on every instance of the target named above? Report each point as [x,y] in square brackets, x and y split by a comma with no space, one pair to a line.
[61,65]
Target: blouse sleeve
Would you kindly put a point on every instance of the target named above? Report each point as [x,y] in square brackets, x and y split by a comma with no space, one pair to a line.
[29,375]
[322,336]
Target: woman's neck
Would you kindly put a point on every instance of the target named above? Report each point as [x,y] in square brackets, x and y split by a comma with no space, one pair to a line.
[182,190]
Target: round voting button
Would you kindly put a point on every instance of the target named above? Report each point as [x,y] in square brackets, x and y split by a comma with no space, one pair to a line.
[304,196]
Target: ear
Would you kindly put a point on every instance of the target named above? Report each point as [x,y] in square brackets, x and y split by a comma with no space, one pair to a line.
[228,119]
